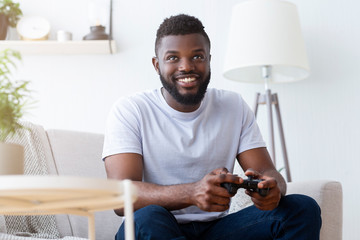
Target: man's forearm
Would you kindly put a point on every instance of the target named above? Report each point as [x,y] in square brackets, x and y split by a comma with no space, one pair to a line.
[171,197]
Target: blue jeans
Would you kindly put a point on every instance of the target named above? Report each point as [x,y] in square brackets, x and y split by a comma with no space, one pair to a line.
[296,217]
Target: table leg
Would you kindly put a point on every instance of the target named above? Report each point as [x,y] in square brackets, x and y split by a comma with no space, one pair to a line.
[128,209]
[91,227]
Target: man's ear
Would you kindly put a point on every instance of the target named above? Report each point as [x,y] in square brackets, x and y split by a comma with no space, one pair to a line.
[155,62]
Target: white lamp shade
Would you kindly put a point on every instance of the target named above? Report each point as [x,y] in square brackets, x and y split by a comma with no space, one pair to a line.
[265,33]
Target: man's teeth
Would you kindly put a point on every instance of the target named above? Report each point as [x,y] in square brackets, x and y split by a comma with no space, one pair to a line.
[186,80]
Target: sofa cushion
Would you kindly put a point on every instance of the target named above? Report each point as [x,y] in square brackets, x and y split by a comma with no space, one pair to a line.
[79,154]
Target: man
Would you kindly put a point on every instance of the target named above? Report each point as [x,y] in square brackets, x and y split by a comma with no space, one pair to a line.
[179,144]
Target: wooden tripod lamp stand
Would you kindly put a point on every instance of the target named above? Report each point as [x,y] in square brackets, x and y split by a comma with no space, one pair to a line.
[266,46]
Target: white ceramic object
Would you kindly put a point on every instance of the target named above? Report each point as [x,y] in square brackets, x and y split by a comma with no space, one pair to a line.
[11,159]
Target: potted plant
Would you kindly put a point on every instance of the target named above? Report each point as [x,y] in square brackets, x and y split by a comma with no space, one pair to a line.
[14,97]
[10,13]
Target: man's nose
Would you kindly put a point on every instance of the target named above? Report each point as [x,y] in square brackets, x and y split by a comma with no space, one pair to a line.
[186,65]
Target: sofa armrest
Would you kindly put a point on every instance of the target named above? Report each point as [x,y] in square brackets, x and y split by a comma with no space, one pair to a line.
[328,194]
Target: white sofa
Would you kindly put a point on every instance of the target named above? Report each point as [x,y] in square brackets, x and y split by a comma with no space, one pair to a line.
[73,153]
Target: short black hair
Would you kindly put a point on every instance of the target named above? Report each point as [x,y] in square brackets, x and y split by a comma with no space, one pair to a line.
[181,24]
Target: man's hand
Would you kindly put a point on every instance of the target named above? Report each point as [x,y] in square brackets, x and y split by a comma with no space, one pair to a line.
[209,196]
[271,200]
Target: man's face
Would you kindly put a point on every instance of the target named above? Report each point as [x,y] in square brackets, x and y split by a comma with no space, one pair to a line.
[183,63]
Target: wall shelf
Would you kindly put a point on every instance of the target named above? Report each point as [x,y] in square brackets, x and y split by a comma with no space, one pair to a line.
[60,48]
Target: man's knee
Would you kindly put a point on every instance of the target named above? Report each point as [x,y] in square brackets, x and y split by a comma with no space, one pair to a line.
[303,205]
[152,214]
[156,222]
[151,221]
[301,201]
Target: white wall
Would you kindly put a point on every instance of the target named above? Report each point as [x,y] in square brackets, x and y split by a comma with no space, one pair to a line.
[320,114]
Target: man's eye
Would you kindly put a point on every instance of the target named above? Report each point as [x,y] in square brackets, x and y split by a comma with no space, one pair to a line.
[199,57]
[171,58]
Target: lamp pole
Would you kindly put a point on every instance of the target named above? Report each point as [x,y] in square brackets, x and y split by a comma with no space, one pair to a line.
[266,71]
[272,99]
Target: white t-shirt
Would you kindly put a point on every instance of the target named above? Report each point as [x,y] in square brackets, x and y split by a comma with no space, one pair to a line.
[180,147]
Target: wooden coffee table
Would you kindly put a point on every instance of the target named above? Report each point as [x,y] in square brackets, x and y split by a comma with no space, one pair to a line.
[47,194]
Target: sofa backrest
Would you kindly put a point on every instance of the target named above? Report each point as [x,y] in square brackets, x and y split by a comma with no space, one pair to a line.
[79,154]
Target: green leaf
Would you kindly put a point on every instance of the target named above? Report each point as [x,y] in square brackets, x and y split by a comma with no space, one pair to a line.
[11,11]
[14,95]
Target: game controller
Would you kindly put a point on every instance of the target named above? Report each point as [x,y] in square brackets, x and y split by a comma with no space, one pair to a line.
[250,184]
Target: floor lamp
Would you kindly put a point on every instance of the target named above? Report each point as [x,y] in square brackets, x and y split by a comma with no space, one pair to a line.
[266,46]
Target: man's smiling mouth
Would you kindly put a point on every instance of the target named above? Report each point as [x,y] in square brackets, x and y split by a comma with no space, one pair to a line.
[187,79]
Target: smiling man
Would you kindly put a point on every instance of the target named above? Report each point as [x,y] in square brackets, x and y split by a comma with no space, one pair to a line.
[179,144]
[184,75]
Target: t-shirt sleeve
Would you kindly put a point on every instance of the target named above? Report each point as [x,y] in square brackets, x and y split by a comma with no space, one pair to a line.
[250,136]
[122,132]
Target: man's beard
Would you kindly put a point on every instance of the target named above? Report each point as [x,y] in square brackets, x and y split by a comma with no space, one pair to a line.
[186,99]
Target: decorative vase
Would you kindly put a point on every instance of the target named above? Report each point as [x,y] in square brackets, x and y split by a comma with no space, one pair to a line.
[11,159]
[3,26]
[96,33]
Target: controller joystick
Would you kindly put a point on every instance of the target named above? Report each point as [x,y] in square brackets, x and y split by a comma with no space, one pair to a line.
[250,184]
